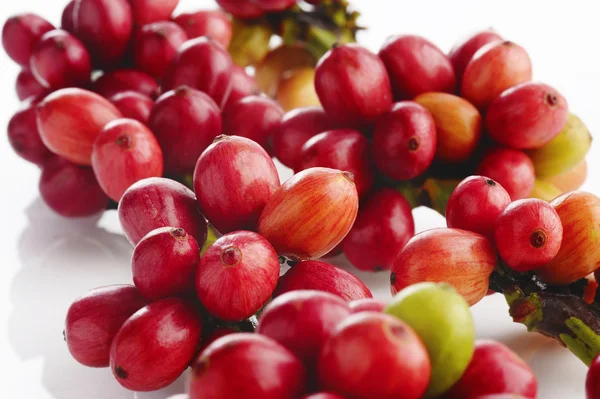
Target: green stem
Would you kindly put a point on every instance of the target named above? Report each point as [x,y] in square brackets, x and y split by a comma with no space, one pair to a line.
[317,29]
[432,193]
[211,237]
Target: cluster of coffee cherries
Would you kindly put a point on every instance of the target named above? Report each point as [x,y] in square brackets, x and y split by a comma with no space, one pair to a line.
[181,301]
[557,241]
[308,345]
[409,113]
[414,114]
[167,95]
[315,344]
[125,90]
[264,223]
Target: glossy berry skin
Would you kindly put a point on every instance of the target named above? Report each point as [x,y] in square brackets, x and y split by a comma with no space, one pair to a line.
[164,263]
[149,11]
[21,33]
[323,395]
[302,321]
[24,136]
[67,19]
[592,381]
[383,226]
[253,117]
[579,253]
[461,258]
[367,305]
[202,64]
[356,96]
[237,275]
[404,141]
[133,105]
[264,370]
[295,129]
[527,116]
[27,86]
[237,161]
[458,124]
[122,80]
[463,51]
[393,362]
[528,234]
[95,318]
[416,66]
[105,27]
[71,190]
[343,149]
[185,121]
[69,120]
[475,205]
[321,276]
[242,85]
[495,369]
[311,213]
[213,23]
[494,68]
[168,331]
[242,9]
[156,45]
[60,60]
[158,202]
[124,153]
[512,169]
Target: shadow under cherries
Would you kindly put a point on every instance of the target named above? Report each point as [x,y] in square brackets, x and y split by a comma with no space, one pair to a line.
[62,259]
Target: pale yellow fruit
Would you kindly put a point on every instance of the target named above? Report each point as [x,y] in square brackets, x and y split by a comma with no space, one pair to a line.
[270,69]
[564,152]
[249,43]
[297,89]
[572,179]
[544,190]
[442,319]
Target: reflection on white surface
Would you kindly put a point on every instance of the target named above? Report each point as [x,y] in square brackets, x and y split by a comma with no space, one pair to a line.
[60,260]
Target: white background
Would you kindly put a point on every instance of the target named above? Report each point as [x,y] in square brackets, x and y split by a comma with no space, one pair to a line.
[46,261]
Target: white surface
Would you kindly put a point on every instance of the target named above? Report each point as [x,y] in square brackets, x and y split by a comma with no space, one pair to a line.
[47,261]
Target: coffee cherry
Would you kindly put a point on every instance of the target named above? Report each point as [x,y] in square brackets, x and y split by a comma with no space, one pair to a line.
[528,234]
[475,205]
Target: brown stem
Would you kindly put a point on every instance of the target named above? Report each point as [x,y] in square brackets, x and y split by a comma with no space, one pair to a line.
[557,312]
